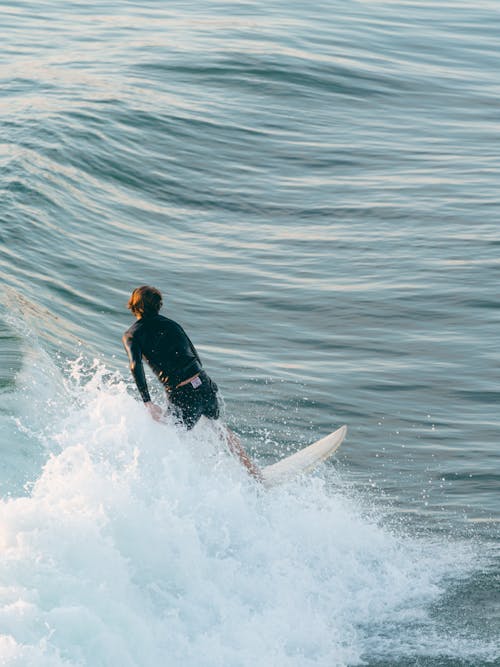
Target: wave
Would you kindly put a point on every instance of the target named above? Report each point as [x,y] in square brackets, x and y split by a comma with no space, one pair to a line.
[137,543]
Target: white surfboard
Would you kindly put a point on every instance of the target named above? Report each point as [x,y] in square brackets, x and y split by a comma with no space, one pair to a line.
[305,460]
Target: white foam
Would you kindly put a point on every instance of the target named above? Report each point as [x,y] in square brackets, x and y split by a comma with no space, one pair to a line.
[141,545]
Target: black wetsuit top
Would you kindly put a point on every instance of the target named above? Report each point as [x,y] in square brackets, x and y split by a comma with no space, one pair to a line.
[166,347]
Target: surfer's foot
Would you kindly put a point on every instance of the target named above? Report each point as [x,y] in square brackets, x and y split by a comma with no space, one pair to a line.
[255,473]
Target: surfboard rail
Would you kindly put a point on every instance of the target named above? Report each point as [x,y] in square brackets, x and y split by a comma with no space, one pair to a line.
[305,460]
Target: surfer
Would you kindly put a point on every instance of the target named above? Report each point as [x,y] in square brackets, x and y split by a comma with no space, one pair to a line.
[173,358]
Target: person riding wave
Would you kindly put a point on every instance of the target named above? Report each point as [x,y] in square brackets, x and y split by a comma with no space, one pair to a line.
[171,355]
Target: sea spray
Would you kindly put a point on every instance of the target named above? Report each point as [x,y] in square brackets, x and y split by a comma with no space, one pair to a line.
[142,544]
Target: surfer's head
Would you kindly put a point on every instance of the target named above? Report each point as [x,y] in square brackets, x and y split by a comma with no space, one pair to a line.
[145,301]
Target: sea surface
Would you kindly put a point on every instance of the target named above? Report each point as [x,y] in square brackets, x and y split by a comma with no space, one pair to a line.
[314,186]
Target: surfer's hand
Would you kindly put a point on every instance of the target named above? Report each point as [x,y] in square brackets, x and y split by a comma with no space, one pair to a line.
[154,410]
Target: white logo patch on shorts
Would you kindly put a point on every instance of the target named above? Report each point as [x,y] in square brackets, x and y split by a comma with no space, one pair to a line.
[195,383]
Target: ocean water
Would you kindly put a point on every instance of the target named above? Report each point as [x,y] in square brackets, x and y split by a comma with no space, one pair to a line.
[314,187]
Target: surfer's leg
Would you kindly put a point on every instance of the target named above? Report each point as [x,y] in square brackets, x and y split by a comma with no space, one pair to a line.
[193,401]
[185,407]
[236,448]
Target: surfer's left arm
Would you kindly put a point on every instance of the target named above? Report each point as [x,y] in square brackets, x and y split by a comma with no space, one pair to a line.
[133,347]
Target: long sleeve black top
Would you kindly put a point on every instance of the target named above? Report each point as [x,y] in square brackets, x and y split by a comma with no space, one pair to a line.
[167,349]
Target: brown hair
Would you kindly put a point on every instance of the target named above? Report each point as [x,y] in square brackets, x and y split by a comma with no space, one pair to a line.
[145,301]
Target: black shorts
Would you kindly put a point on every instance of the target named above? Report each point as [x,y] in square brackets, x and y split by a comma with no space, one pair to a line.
[192,402]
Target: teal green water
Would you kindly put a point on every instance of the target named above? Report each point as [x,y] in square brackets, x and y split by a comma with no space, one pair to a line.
[314,187]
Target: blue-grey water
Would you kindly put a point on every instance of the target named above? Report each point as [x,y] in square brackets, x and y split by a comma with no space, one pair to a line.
[315,189]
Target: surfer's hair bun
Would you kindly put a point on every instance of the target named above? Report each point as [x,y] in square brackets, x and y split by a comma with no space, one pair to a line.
[145,301]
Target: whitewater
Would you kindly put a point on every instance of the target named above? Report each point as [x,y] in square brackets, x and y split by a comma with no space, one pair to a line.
[314,189]
[139,544]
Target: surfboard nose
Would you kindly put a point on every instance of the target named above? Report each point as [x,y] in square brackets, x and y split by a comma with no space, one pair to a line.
[304,460]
